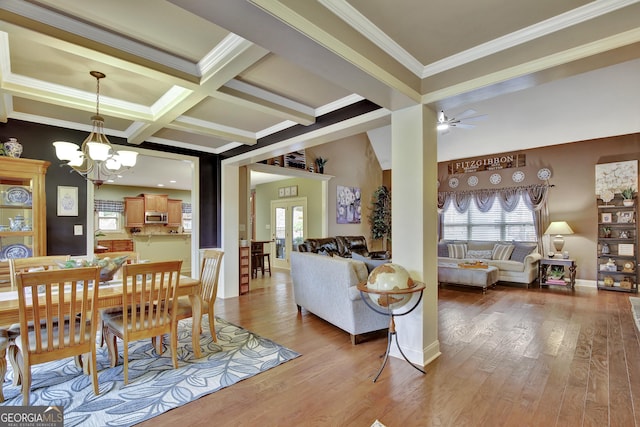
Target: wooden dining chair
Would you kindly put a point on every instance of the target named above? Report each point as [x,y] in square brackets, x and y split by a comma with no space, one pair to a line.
[148,291]
[18,265]
[67,319]
[132,258]
[209,273]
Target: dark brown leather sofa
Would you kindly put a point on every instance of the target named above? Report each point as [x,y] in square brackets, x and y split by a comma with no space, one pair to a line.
[342,246]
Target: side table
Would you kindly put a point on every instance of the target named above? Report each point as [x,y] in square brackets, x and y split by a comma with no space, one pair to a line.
[569,265]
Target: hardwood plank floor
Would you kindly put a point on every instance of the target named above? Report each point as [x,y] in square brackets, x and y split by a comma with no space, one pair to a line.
[510,357]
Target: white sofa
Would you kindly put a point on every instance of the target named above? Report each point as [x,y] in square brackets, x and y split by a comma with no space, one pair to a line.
[326,286]
[521,267]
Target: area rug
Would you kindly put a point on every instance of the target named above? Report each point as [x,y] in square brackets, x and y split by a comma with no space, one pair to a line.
[635,309]
[154,386]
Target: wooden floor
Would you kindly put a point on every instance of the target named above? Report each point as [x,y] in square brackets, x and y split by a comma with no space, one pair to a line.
[511,357]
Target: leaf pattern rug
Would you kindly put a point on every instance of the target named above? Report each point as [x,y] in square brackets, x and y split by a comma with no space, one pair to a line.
[154,386]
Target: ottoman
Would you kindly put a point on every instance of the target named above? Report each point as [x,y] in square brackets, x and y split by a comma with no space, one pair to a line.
[477,277]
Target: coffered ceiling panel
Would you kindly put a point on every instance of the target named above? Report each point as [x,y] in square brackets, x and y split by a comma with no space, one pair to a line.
[233,115]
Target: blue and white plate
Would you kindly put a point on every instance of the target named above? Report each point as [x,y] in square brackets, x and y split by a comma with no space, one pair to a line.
[15,250]
[18,196]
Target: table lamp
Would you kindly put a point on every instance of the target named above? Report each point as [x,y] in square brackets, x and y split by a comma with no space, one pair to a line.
[558,228]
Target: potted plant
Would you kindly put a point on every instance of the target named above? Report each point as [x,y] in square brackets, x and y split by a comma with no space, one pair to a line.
[380,218]
[627,195]
[320,162]
[606,231]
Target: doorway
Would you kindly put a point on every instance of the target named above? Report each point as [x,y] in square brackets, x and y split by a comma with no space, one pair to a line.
[288,228]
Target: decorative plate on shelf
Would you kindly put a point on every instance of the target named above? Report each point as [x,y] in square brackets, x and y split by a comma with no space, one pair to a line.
[472,181]
[518,176]
[544,174]
[453,182]
[18,196]
[495,179]
[15,250]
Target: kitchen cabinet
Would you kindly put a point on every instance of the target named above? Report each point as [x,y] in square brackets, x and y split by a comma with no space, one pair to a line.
[174,217]
[23,213]
[156,202]
[118,245]
[134,212]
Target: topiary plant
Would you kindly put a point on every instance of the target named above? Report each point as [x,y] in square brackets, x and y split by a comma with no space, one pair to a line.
[380,217]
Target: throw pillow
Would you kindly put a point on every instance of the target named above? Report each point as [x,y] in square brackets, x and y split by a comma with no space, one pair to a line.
[370,263]
[479,254]
[457,250]
[443,250]
[501,252]
[521,250]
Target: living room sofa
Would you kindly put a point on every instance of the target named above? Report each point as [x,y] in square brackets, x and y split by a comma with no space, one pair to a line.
[517,262]
[327,287]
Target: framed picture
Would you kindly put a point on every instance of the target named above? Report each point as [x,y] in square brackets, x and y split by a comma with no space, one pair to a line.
[287,191]
[626,249]
[348,205]
[67,201]
[281,192]
[606,217]
[625,217]
[294,190]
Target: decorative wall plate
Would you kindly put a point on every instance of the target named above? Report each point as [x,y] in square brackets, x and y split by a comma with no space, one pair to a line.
[453,182]
[15,250]
[495,178]
[544,174]
[472,181]
[18,196]
[518,176]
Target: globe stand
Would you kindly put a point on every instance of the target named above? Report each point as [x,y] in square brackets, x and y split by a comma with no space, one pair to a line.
[385,296]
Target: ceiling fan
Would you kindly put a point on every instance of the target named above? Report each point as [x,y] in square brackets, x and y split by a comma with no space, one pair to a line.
[461,121]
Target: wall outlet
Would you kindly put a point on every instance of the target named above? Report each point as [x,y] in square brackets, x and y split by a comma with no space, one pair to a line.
[77,230]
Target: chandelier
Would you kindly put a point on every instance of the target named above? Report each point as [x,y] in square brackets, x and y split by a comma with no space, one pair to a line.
[96,160]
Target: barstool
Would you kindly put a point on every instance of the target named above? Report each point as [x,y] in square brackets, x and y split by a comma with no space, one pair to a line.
[266,256]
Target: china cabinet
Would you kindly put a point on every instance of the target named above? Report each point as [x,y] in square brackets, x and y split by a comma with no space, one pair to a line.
[617,246]
[23,213]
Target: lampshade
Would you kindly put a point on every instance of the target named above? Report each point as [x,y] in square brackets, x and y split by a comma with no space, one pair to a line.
[558,228]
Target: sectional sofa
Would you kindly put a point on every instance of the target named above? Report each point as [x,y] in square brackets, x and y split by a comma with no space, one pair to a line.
[517,262]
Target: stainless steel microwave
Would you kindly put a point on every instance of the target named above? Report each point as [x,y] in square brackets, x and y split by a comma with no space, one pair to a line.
[155,218]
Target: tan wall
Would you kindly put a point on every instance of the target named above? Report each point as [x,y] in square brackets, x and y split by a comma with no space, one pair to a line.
[354,164]
[572,198]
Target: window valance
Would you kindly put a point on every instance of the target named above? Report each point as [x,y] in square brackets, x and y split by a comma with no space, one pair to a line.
[108,206]
[535,197]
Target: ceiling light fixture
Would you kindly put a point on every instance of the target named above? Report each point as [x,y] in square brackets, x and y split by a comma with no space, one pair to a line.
[443,121]
[96,160]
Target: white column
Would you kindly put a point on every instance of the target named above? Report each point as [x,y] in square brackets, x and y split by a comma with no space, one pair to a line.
[414,225]
[228,286]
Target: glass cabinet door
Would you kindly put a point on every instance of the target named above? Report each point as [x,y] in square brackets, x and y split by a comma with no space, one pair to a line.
[22,208]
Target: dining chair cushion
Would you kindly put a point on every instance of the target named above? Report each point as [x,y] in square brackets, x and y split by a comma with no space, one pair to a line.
[55,332]
[183,308]
[116,319]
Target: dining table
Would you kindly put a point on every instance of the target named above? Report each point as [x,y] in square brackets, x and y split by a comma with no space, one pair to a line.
[110,296]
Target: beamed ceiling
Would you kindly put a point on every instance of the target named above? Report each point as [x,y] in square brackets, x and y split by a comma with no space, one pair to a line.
[217,76]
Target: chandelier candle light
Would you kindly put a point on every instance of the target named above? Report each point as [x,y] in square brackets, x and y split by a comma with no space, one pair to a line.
[558,228]
[96,160]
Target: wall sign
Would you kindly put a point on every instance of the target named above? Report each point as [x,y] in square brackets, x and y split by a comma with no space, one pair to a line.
[489,163]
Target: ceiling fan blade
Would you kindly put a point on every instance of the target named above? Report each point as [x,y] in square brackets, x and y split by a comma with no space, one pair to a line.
[465,114]
[464,126]
[476,118]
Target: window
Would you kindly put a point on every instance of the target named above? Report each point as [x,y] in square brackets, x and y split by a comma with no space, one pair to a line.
[108,221]
[497,224]
[108,215]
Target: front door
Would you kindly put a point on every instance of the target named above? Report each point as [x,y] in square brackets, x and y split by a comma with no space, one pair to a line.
[288,228]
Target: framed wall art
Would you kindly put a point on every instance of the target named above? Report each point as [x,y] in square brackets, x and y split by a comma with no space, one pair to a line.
[606,217]
[67,201]
[348,205]
[616,176]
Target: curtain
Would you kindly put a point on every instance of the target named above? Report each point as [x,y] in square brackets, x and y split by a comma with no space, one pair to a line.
[534,196]
[108,206]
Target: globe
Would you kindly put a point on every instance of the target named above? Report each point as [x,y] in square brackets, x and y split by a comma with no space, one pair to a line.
[389,278]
